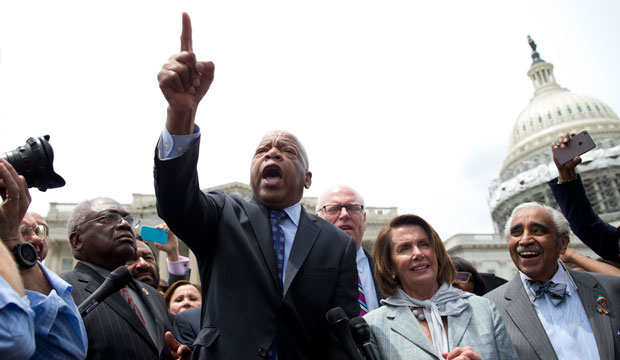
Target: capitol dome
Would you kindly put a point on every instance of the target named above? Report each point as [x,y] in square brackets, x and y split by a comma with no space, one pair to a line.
[554,110]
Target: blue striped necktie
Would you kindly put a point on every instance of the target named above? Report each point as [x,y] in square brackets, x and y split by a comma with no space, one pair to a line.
[277,235]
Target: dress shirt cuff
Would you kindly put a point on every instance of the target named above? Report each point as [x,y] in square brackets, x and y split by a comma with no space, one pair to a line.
[179,267]
[172,146]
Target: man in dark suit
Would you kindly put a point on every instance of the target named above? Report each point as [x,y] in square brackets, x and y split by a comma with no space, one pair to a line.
[551,312]
[270,271]
[570,195]
[102,238]
[342,206]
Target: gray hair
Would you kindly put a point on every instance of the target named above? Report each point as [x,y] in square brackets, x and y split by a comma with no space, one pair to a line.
[79,214]
[559,221]
[321,201]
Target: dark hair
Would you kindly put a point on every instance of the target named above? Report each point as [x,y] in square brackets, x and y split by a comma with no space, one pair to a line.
[463,265]
[382,253]
[175,285]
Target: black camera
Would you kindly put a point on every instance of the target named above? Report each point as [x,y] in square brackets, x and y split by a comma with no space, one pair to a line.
[34,161]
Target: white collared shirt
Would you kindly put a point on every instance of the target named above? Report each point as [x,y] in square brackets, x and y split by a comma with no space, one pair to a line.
[566,324]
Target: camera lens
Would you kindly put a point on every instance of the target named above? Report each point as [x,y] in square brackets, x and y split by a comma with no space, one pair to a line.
[34,160]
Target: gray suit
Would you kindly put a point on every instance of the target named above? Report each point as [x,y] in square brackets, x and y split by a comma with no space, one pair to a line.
[397,334]
[529,336]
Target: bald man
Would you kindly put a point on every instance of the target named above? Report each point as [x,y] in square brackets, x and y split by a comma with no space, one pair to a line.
[342,206]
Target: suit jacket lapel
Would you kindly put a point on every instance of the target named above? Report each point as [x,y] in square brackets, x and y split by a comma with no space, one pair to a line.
[115,301]
[371,264]
[458,325]
[408,327]
[307,233]
[259,218]
[588,291]
[522,313]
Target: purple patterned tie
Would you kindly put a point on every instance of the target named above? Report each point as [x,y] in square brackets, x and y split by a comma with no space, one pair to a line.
[362,298]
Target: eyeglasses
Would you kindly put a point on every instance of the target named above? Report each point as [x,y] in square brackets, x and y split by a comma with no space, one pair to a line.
[113,219]
[39,230]
[463,277]
[336,209]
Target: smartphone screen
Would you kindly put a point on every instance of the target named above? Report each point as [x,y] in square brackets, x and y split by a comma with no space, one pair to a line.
[577,146]
[149,233]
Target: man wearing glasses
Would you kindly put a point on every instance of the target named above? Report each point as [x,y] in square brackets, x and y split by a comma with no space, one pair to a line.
[129,324]
[35,230]
[342,206]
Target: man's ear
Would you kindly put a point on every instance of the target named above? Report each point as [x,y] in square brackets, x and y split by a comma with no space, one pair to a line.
[564,240]
[75,241]
[308,181]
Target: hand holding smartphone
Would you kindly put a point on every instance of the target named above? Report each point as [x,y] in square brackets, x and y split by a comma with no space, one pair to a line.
[149,233]
[577,146]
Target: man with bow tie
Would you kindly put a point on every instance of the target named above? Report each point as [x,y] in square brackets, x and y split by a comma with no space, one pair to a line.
[551,312]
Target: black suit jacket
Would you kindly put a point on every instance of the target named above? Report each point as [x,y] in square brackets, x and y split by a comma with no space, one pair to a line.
[601,237]
[113,328]
[186,326]
[371,264]
[245,307]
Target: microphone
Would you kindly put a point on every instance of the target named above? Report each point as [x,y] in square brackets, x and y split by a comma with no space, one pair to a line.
[114,282]
[361,334]
[338,322]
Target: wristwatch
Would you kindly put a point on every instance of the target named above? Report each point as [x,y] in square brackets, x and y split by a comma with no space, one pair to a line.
[25,255]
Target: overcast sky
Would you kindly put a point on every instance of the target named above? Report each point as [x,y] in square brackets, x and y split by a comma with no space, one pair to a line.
[410,102]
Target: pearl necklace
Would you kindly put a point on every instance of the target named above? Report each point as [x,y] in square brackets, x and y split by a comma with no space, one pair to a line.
[417,314]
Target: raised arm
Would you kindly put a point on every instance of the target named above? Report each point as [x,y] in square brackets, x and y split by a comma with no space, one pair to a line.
[184,81]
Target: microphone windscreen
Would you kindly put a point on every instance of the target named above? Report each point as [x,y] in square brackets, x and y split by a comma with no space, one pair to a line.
[120,276]
[336,317]
[360,330]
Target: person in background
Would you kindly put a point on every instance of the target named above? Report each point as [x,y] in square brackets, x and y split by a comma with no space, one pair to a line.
[182,295]
[342,206]
[467,277]
[424,317]
[34,229]
[570,194]
[587,264]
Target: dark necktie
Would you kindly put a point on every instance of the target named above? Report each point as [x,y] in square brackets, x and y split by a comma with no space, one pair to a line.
[362,297]
[556,292]
[132,303]
[277,235]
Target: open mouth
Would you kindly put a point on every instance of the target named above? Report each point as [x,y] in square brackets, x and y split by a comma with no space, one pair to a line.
[529,254]
[420,267]
[272,175]
[345,227]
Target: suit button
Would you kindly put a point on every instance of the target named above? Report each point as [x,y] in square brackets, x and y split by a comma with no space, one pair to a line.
[262,352]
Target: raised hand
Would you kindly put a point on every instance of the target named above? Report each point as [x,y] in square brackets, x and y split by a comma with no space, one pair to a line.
[566,172]
[16,199]
[184,81]
[179,351]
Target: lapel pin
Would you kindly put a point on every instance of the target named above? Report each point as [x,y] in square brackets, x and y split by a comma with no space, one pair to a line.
[145,292]
[600,306]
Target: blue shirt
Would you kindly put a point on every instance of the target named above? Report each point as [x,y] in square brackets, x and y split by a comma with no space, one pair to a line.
[58,327]
[16,324]
[566,324]
[363,270]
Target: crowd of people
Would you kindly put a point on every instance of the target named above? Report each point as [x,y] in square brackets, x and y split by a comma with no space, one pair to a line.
[270,271]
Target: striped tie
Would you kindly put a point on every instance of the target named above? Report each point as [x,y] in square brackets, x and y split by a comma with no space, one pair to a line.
[127,296]
[556,291]
[362,298]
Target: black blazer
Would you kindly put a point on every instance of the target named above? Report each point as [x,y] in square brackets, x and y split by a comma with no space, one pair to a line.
[244,306]
[600,236]
[186,326]
[113,328]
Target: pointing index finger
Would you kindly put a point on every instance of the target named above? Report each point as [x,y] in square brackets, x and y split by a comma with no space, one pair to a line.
[186,34]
